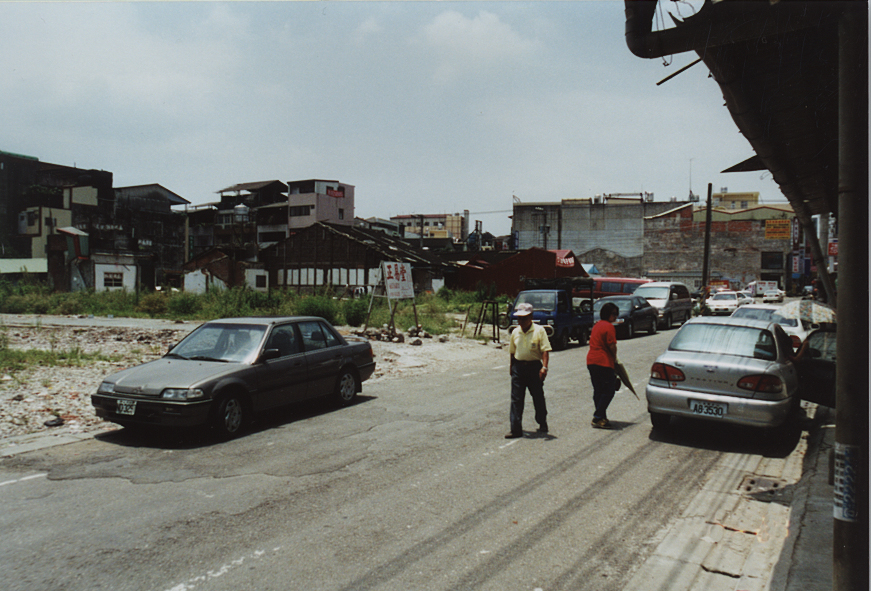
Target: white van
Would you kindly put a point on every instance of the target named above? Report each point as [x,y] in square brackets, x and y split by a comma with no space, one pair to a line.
[671,299]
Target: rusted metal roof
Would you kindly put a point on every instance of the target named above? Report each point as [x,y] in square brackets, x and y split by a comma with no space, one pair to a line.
[777,64]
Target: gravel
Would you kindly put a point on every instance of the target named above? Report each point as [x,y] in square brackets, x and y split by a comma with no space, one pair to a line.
[61,396]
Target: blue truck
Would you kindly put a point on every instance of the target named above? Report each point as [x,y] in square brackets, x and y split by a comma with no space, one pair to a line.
[563,306]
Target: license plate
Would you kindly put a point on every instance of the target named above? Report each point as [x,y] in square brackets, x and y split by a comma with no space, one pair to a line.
[126,407]
[708,409]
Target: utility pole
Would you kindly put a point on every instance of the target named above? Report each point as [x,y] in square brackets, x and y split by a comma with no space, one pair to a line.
[850,530]
[705,269]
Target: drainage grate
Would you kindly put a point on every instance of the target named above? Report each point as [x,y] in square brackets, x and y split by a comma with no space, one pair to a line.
[757,484]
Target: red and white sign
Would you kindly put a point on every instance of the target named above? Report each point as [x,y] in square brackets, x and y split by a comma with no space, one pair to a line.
[833,247]
[397,280]
[335,193]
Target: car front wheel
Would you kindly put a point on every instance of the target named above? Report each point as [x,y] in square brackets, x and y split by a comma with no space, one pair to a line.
[230,416]
[652,329]
[346,387]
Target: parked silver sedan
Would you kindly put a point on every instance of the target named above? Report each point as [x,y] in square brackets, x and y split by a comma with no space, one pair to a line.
[732,370]
[226,370]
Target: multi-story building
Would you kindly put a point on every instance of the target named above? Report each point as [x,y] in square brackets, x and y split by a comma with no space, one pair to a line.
[606,230]
[436,225]
[317,200]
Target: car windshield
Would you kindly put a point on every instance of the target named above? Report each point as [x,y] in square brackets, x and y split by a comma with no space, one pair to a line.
[793,322]
[542,302]
[221,342]
[726,296]
[722,339]
[622,305]
[652,293]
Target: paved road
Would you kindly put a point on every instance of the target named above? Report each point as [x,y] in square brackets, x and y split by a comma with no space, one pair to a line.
[412,488]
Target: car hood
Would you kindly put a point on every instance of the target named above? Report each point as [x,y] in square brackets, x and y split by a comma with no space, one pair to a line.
[151,378]
[656,303]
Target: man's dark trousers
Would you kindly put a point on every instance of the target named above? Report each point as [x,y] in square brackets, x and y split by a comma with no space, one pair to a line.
[526,374]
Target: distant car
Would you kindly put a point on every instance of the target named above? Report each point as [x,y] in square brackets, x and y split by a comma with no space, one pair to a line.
[671,300]
[744,298]
[795,328]
[731,370]
[807,292]
[226,370]
[723,302]
[635,314]
[772,295]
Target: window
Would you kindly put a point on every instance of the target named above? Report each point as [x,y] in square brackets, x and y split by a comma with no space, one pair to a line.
[341,214]
[300,210]
[260,281]
[113,280]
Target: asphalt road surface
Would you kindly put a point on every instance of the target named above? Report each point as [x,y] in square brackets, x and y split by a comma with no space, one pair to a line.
[414,487]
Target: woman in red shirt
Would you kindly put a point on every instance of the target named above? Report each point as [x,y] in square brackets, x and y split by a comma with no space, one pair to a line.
[601,359]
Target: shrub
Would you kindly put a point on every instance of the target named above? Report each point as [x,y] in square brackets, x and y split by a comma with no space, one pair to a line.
[184,304]
[355,311]
[318,305]
[153,304]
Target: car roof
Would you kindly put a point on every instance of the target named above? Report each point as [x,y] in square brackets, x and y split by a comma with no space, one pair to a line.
[732,321]
[263,320]
[760,307]
[662,284]
[619,297]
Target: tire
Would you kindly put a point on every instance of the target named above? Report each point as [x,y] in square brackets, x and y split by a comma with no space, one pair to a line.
[346,387]
[652,328]
[504,321]
[659,421]
[584,337]
[563,341]
[668,324]
[230,417]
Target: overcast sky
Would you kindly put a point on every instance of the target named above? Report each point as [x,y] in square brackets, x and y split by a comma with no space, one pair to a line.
[425,107]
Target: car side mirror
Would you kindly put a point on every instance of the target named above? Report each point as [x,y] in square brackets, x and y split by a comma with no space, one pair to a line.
[270,354]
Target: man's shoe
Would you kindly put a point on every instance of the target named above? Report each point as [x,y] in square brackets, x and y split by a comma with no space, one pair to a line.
[513,435]
[542,429]
[601,424]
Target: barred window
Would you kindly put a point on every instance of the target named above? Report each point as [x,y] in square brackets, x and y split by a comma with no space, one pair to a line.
[113,280]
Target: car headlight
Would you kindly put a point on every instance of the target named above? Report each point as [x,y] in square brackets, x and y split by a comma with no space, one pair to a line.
[106,388]
[182,393]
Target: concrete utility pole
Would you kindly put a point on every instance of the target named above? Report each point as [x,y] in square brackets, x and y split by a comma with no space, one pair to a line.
[850,551]
[705,269]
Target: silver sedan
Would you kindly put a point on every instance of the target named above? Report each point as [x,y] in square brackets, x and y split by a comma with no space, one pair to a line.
[731,370]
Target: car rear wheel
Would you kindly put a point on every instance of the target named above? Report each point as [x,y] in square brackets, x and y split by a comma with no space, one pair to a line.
[584,337]
[659,421]
[652,328]
[346,387]
[561,342]
[230,417]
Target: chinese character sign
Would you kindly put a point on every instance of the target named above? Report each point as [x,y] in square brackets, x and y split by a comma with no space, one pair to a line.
[397,280]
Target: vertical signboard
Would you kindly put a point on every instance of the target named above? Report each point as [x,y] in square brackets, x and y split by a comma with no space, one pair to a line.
[397,280]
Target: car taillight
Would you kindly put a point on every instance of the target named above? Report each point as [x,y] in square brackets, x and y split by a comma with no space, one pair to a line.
[662,371]
[761,383]
[796,342]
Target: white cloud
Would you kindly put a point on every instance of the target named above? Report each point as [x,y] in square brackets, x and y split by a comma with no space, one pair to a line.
[463,45]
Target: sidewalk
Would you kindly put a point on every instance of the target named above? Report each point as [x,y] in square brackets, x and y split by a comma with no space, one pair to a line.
[759,524]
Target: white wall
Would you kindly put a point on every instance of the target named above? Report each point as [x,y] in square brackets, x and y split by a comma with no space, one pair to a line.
[128,276]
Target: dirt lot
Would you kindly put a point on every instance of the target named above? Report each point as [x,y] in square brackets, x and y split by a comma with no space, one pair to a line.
[36,395]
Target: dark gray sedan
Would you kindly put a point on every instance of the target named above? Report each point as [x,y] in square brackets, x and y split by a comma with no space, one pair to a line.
[227,370]
[635,313]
